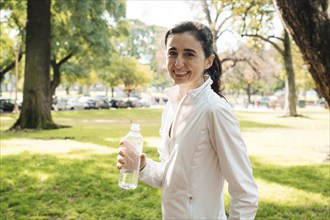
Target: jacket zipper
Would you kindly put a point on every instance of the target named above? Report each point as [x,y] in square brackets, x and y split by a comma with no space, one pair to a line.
[176,115]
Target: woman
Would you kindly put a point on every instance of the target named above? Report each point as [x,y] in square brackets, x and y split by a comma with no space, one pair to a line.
[201,144]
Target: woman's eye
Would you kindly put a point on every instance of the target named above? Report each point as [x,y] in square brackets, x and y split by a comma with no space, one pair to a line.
[189,54]
[171,53]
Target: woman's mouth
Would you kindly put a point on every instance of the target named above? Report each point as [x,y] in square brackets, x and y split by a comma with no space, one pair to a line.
[180,73]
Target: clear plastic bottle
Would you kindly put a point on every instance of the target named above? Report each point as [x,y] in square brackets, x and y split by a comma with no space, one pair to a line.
[129,174]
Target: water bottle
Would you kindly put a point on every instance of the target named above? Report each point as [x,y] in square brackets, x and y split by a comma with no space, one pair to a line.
[129,174]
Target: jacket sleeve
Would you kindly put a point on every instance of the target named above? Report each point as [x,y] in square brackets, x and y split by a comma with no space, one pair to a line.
[152,173]
[234,163]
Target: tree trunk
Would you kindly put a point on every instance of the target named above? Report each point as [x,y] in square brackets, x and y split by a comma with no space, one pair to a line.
[67,89]
[36,111]
[308,23]
[248,93]
[290,84]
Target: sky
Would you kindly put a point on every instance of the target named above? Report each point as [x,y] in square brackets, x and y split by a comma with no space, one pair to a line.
[164,13]
[167,13]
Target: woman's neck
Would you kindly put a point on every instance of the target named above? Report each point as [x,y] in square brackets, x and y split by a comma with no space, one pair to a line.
[186,87]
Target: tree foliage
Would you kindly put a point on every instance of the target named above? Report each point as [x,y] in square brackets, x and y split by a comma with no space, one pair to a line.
[84,29]
[146,44]
[130,72]
[79,28]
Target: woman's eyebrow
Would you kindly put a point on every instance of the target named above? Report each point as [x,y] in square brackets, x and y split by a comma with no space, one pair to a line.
[186,49]
[190,50]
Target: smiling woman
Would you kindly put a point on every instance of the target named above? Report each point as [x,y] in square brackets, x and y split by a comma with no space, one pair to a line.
[199,136]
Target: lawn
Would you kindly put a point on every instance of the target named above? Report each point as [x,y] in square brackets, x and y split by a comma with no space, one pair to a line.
[70,173]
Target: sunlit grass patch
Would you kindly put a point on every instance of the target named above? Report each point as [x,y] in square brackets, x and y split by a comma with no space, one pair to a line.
[281,194]
[54,187]
[277,201]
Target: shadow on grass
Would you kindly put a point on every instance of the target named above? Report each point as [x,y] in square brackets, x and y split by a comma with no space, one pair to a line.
[313,178]
[271,211]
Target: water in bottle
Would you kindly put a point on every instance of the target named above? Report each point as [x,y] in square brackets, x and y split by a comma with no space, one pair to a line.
[129,174]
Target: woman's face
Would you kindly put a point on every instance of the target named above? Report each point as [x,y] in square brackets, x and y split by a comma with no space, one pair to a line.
[186,61]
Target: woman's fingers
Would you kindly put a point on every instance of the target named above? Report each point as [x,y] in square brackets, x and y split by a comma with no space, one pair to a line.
[119,166]
[120,161]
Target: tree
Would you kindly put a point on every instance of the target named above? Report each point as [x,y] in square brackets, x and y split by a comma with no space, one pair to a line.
[308,23]
[36,112]
[79,29]
[84,29]
[144,42]
[253,71]
[130,72]
[256,25]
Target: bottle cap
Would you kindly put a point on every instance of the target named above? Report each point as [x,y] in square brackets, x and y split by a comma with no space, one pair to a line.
[135,127]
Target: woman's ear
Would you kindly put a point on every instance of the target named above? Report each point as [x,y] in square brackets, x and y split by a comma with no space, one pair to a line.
[209,61]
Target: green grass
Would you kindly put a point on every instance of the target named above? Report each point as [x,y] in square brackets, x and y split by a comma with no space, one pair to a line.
[287,155]
[96,127]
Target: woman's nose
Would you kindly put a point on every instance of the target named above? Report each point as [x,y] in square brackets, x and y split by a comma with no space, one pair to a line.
[179,62]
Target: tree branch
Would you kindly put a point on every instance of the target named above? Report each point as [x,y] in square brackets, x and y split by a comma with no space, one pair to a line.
[266,40]
[9,67]
[246,13]
[65,59]
[234,60]
[207,12]
[222,24]
[276,37]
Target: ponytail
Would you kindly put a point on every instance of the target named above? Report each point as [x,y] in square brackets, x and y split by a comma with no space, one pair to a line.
[215,72]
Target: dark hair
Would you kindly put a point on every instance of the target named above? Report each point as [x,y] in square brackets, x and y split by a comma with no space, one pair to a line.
[204,35]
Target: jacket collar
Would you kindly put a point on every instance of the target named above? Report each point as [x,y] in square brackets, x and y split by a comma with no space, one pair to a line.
[173,92]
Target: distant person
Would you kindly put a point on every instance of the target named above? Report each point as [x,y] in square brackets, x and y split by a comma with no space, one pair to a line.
[201,145]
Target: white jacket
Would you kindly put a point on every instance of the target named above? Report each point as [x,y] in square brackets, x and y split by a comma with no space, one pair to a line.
[204,149]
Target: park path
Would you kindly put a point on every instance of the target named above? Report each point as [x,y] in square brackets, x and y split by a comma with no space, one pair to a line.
[57,146]
[54,146]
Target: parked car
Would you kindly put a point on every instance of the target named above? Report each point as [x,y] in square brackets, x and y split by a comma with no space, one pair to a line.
[113,103]
[276,101]
[102,102]
[6,105]
[102,97]
[122,103]
[262,102]
[133,102]
[70,104]
[130,102]
[145,102]
[88,101]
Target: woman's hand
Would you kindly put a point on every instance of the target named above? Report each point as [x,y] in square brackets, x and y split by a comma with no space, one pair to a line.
[121,160]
